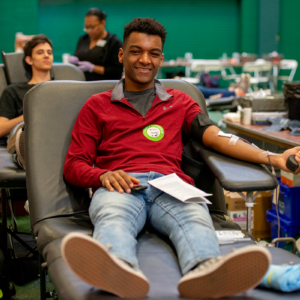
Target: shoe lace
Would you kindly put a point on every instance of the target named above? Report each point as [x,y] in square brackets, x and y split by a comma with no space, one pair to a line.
[210,262]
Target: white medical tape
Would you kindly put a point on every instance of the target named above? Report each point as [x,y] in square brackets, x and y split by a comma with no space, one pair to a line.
[221,133]
[266,153]
[233,140]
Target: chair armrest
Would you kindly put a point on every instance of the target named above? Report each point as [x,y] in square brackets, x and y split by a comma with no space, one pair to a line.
[237,175]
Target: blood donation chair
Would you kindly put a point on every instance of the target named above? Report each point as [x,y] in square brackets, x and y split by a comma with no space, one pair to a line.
[3,83]
[13,177]
[58,208]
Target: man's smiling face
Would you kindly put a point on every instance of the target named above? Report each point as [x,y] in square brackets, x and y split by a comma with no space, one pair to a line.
[142,56]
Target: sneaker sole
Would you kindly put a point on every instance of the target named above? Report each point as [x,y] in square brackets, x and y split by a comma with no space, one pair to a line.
[20,148]
[11,143]
[240,271]
[93,264]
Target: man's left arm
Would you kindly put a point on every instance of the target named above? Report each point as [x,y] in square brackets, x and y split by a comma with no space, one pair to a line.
[200,128]
[244,151]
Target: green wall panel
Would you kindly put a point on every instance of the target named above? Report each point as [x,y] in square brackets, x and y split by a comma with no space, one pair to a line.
[249,26]
[207,28]
[289,43]
[17,16]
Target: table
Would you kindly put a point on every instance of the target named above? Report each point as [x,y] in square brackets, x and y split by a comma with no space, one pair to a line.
[281,138]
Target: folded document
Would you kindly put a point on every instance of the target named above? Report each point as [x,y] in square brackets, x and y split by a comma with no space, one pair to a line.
[177,188]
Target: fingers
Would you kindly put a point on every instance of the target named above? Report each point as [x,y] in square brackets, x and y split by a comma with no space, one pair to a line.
[297,158]
[134,180]
[118,180]
[73,59]
[293,151]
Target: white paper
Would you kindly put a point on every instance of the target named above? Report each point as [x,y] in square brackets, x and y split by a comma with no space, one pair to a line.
[229,233]
[176,187]
[230,236]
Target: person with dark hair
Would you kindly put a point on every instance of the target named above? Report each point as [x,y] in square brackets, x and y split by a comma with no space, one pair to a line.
[38,59]
[97,51]
[122,139]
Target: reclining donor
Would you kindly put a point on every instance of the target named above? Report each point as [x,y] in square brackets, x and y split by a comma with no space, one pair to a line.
[131,135]
[38,60]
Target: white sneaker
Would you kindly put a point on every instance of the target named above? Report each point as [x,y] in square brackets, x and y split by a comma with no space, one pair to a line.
[227,275]
[93,264]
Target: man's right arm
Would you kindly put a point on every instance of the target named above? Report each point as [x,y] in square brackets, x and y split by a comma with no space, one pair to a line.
[82,153]
[6,125]
[8,114]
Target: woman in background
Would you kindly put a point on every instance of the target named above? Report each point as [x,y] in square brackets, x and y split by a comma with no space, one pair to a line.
[97,51]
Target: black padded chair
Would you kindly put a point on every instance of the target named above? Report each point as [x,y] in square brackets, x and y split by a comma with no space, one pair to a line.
[3,83]
[15,71]
[57,208]
[11,176]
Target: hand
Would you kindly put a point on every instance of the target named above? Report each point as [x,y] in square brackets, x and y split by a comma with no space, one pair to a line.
[86,66]
[73,60]
[281,163]
[118,180]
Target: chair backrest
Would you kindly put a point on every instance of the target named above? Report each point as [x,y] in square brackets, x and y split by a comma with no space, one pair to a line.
[50,111]
[14,68]
[16,73]
[3,83]
[288,64]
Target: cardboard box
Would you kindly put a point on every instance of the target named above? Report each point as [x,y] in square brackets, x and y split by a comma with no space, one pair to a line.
[290,179]
[240,217]
[237,211]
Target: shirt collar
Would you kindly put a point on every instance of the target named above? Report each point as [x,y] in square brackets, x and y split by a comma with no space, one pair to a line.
[118,91]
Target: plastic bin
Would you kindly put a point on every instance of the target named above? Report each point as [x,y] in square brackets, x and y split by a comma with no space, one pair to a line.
[288,202]
[288,228]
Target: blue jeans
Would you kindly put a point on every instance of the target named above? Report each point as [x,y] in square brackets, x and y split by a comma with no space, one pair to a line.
[118,218]
[207,92]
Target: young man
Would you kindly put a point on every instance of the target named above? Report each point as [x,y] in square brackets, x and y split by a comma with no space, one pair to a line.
[38,60]
[113,133]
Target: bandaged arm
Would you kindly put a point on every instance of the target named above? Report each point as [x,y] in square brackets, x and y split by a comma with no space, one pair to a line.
[203,131]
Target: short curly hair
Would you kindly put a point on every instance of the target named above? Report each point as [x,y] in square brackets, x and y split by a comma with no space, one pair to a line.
[145,25]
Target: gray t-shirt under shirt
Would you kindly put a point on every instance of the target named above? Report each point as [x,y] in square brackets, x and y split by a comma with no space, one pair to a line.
[142,100]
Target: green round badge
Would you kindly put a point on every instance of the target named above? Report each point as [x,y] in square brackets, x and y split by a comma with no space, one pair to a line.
[154,132]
